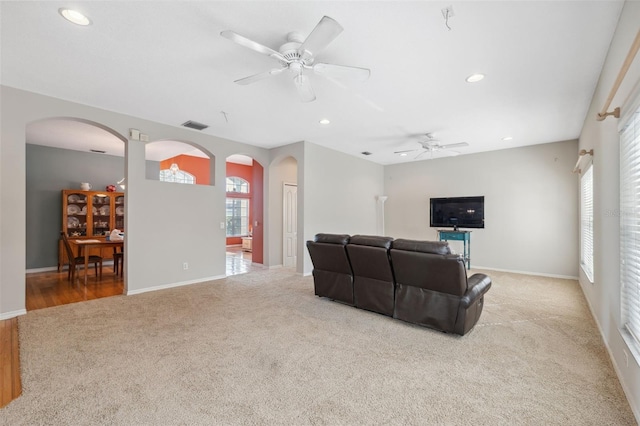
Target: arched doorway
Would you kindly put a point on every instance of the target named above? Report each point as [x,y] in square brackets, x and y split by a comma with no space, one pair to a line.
[283,211]
[62,152]
[244,206]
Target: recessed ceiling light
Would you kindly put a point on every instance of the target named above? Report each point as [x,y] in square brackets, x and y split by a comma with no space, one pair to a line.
[74,16]
[404,154]
[474,78]
[507,138]
[325,121]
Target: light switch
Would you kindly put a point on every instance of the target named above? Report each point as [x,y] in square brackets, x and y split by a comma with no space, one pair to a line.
[221,225]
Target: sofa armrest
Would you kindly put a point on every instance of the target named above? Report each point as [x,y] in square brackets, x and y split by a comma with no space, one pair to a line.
[479,284]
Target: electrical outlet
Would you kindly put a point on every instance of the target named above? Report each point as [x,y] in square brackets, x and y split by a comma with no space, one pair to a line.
[626,357]
[185,266]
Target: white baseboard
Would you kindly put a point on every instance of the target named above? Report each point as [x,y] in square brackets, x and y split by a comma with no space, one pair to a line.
[13,314]
[47,269]
[55,268]
[275,266]
[633,404]
[538,274]
[172,285]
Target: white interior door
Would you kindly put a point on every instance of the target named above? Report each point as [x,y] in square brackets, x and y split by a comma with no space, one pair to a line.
[290,224]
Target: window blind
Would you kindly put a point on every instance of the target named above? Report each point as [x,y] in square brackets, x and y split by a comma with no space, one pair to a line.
[586,222]
[630,223]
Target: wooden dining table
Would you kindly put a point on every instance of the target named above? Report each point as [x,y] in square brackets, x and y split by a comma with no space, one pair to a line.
[85,245]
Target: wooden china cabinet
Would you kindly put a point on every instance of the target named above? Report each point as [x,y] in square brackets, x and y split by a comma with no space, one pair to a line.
[90,215]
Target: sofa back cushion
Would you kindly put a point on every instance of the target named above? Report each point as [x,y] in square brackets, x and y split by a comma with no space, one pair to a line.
[415,264]
[328,253]
[332,238]
[369,256]
[432,247]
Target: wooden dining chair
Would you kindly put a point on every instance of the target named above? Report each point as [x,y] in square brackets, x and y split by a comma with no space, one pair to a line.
[118,261]
[74,261]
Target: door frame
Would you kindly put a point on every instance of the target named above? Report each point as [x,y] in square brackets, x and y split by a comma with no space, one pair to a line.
[284,222]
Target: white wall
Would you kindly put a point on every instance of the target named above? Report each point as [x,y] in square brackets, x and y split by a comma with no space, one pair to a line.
[602,136]
[167,224]
[339,194]
[530,205]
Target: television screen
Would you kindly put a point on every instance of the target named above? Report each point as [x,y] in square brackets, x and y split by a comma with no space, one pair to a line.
[457,212]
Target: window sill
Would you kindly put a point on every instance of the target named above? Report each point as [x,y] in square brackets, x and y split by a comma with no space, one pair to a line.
[586,274]
[632,345]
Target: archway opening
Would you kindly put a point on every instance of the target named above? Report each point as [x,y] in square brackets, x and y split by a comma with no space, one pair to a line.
[244,208]
[179,162]
[62,153]
[283,212]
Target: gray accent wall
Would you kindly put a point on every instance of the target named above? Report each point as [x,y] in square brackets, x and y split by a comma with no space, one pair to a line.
[49,171]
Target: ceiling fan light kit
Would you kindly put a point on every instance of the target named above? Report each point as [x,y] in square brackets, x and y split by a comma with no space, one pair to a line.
[298,55]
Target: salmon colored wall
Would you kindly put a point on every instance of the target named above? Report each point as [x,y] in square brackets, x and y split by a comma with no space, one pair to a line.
[245,172]
[197,166]
[257,212]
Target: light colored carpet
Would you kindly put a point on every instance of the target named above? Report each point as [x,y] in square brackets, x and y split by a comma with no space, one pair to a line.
[260,348]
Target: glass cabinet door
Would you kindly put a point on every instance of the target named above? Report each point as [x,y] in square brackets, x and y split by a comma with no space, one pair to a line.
[76,214]
[101,209]
[119,203]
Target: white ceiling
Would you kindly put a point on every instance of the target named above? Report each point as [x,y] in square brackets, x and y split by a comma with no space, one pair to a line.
[166,62]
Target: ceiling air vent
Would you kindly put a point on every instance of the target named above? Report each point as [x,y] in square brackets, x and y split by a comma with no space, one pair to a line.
[365,153]
[194,125]
[99,151]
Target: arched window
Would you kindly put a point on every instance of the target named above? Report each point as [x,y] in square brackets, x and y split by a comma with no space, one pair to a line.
[237,184]
[174,174]
[237,211]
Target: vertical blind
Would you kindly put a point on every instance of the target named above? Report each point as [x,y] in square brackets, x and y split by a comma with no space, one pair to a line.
[630,223]
[586,222]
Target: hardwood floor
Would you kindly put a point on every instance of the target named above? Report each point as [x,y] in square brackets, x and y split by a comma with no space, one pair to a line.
[10,383]
[46,289]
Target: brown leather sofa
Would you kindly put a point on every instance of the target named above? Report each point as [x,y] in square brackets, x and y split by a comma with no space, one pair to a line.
[373,283]
[432,288]
[332,274]
[420,282]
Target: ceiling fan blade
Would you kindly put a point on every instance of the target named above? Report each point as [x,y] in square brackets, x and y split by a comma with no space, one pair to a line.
[323,34]
[253,45]
[421,154]
[342,71]
[406,150]
[258,77]
[445,153]
[454,145]
[303,85]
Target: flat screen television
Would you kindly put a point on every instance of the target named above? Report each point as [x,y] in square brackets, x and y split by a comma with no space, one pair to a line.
[457,212]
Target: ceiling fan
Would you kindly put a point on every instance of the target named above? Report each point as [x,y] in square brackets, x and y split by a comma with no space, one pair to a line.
[431,145]
[297,56]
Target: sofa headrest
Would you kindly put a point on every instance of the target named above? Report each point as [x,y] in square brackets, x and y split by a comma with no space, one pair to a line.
[371,240]
[332,238]
[433,247]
